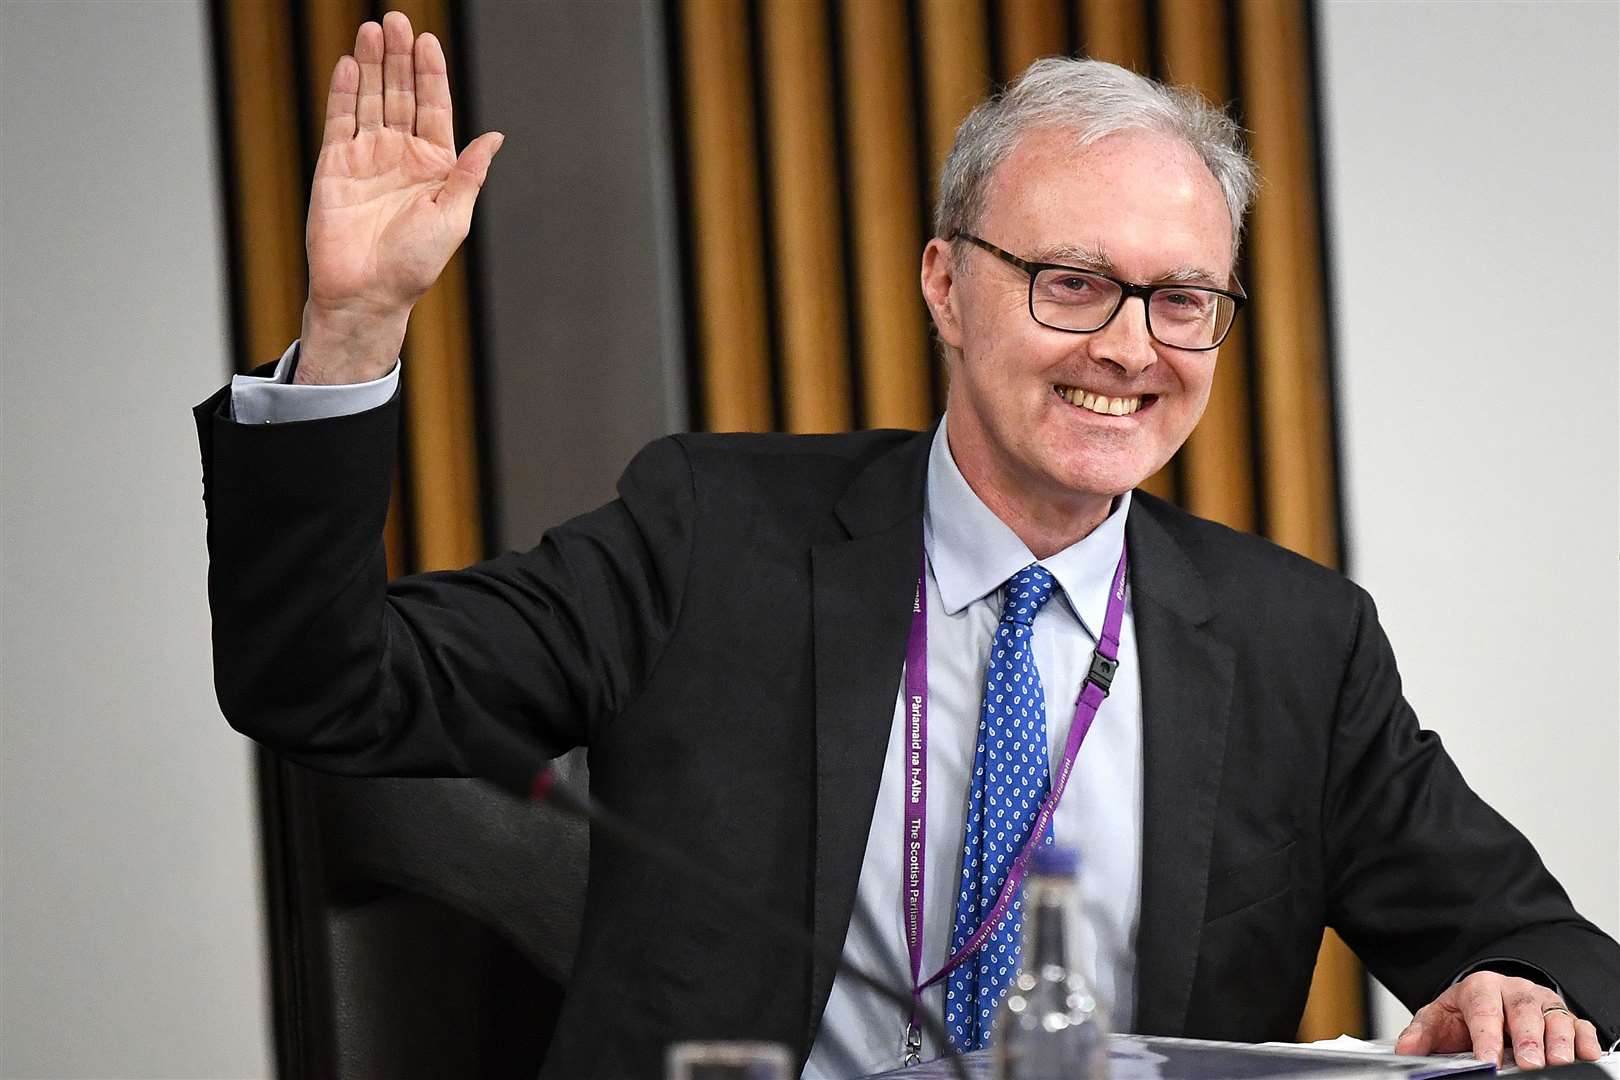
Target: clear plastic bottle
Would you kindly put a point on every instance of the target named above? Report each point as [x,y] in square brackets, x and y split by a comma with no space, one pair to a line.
[1051,1025]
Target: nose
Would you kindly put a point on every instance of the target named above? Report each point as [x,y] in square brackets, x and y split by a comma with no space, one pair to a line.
[1124,341]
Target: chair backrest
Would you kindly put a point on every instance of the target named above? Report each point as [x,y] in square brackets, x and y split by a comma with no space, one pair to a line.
[419,927]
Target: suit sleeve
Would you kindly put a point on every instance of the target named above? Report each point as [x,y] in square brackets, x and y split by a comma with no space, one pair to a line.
[1427,881]
[486,671]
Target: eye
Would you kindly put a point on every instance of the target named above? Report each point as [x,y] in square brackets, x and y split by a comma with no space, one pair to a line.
[1065,286]
[1183,304]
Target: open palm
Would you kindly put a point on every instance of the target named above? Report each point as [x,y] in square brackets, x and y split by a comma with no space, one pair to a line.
[391,200]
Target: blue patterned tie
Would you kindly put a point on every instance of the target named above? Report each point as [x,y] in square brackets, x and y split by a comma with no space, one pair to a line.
[1010,778]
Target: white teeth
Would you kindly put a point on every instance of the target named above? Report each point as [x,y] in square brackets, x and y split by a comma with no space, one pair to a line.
[1098,403]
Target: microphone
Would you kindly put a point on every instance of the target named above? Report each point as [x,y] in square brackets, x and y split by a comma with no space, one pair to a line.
[548,789]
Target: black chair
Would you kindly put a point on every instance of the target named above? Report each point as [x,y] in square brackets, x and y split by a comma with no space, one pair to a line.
[419,928]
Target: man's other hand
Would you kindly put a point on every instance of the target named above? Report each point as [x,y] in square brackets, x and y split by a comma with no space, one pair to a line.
[1483,1011]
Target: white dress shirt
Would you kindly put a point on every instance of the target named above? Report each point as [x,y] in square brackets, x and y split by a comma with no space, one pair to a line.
[276,399]
[971,553]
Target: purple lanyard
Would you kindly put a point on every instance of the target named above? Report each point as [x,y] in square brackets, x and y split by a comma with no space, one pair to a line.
[1104,661]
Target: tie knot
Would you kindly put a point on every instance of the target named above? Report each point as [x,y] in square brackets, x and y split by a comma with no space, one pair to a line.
[1027,591]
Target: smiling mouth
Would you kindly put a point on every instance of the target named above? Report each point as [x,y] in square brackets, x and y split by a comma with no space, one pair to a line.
[1101,405]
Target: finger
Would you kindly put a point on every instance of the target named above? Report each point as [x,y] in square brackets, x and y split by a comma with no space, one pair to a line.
[1587,1047]
[433,114]
[1559,1039]
[466,179]
[368,51]
[1482,1012]
[399,84]
[1436,1029]
[340,101]
[1527,1028]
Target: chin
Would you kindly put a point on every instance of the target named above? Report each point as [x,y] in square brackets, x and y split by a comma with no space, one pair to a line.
[1109,470]
[1109,478]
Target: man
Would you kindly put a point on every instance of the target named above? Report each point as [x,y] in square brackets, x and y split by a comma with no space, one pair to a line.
[747,638]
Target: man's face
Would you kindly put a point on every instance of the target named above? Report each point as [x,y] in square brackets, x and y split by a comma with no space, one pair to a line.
[1138,206]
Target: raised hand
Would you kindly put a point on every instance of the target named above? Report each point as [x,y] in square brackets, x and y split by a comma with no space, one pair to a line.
[390,204]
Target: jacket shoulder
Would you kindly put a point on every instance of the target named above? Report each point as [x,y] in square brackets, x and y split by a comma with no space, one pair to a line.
[846,452]
[794,474]
[1240,568]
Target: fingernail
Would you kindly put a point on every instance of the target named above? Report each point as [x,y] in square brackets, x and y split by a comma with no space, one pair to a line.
[1530,1055]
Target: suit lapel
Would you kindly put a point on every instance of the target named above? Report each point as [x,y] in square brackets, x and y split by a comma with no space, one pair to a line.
[862,592]
[1186,690]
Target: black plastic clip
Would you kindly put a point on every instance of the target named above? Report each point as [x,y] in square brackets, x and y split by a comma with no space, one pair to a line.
[1102,671]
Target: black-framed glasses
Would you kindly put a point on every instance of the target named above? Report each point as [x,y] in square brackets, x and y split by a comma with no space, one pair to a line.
[1076,301]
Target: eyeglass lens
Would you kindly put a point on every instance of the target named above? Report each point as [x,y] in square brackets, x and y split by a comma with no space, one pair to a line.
[1184,317]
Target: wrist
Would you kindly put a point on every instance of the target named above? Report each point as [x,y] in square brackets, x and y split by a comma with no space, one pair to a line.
[344,346]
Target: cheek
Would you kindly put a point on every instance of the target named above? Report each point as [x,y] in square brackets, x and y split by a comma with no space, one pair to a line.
[998,333]
[1196,375]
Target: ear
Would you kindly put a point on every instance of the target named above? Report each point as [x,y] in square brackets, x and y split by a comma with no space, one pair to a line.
[939,290]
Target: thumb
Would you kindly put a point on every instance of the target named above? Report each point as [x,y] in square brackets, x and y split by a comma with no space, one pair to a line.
[466,179]
[1415,1039]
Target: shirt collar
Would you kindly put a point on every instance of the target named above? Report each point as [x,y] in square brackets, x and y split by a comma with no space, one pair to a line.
[973,552]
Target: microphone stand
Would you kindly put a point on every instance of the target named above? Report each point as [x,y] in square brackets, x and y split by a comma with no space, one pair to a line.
[547,789]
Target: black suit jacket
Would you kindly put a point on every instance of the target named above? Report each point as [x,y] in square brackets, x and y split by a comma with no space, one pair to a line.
[727,639]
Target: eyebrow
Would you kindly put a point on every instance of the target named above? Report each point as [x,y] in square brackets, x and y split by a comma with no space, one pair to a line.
[1086,258]
[1082,257]
[1189,275]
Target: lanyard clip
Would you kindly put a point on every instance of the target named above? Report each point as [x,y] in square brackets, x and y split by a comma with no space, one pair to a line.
[913,1053]
[1102,671]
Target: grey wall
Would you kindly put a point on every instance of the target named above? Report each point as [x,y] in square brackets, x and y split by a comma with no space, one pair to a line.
[575,230]
[1472,176]
[130,936]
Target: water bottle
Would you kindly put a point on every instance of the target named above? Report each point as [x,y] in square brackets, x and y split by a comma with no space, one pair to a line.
[1051,1025]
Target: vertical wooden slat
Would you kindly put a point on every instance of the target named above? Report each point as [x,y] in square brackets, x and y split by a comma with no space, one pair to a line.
[1288,330]
[955,36]
[956,69]
[447,524]
[268,158]
[1336,1004]
[329,30]
[1217,478]
[727,253]
[1030,29]
[446,520]
[1288,326]
[809,270]
[1116,31]
[894,375]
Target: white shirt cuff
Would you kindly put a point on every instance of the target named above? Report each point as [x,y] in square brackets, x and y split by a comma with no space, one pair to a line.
[257,399]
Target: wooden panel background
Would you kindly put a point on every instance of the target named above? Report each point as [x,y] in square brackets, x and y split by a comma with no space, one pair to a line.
[814,133]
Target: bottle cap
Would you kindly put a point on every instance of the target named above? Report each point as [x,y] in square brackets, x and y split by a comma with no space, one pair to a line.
[1053,860]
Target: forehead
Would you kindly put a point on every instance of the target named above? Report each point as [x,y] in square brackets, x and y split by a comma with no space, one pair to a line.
[1144,200]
